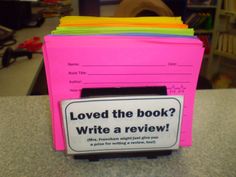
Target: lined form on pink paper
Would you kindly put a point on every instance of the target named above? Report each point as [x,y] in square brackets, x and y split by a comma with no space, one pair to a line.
[76,62]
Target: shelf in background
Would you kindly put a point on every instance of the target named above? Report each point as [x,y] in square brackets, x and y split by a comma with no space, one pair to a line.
[109,2]
[201,6]
[203,31]
[227,13]
[225,54]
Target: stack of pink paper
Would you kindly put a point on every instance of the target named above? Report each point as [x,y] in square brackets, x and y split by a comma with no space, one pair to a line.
[74,62]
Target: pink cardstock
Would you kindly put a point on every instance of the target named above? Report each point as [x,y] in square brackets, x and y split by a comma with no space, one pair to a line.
[76,62]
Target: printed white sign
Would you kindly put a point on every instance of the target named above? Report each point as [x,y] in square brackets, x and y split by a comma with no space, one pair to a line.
[116,124]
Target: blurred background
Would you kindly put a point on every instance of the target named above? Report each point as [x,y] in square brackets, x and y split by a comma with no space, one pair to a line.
[23,24]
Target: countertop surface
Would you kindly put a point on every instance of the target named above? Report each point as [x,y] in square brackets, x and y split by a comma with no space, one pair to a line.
[26,143]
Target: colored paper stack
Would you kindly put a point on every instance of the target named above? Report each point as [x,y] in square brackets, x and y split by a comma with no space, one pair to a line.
[97,52]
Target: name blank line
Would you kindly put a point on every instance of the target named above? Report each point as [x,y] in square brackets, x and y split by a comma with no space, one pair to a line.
[123,65]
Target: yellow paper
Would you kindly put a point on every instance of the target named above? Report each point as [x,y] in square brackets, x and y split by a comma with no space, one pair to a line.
[114,20]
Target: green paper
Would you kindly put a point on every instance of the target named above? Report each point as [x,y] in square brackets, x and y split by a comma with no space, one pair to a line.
[120,30]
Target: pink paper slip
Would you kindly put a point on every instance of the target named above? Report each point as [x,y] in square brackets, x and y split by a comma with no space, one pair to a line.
[76,62]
